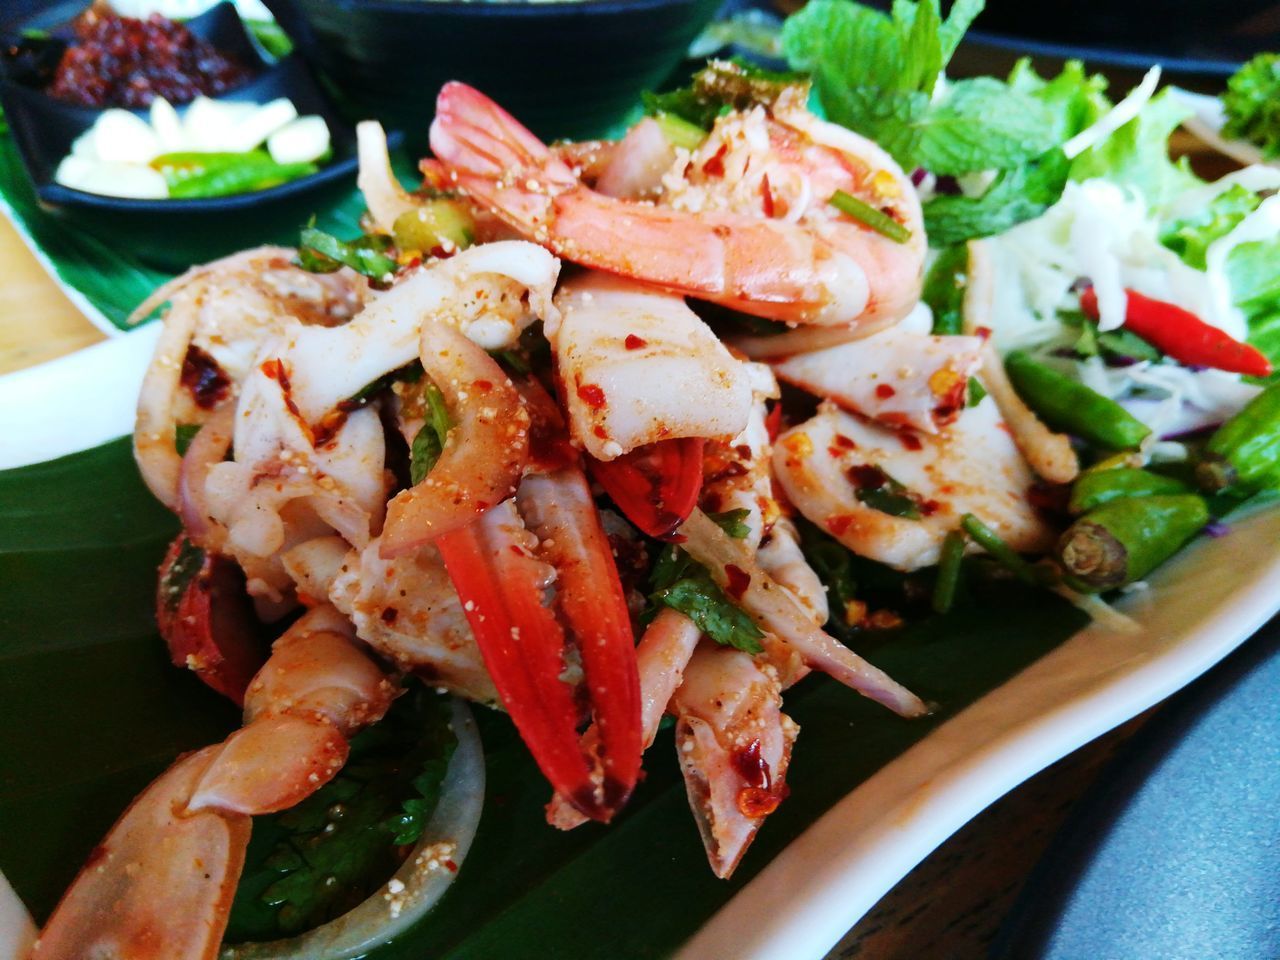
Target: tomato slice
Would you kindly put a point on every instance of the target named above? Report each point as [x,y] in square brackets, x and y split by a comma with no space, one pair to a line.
[205,618]
[656,486]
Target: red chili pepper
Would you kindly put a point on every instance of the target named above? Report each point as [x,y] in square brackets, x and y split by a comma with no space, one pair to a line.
[656,485]
[1182,335]
[524,645]
[206,621]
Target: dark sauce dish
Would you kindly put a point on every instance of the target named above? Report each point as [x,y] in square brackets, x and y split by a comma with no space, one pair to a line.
[573,68]
[174,233]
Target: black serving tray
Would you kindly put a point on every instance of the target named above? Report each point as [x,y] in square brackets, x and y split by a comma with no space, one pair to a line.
[177,232]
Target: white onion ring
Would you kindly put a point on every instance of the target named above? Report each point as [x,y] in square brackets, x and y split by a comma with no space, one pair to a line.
[374,921]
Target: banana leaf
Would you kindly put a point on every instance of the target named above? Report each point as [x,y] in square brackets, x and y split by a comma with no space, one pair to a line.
[92,711]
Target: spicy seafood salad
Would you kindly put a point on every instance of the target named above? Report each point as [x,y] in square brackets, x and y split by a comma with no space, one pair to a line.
[599,434]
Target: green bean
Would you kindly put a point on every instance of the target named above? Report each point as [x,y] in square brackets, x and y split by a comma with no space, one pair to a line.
[1245,451]
[1093,488]
[1124,540]
[949,567]
[253,174]
[1068,405]
[1000,551]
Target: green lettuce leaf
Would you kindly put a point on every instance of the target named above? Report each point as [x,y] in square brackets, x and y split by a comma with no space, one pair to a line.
[1075,99]
[1190,237]
[1253,270]
[1137,155]
[1252,104]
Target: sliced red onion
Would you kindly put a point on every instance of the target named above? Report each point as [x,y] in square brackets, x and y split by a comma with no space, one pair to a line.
[421,880]
[1217,529]
[776,610]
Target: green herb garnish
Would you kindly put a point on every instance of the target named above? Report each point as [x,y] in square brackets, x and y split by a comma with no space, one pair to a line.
[733,522]
[681,583]
[870,216]
[315,861]
[321,252]
[429,441]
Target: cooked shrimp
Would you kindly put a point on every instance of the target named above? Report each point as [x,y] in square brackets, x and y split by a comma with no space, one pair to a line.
[788,257]
[734,744]
[638,366]
[826,462]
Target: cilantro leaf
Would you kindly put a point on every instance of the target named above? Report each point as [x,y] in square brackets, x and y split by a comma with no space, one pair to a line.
[681,583]
[1018,194]
[430,439]
[316,860]
[1252,104]
[1137,155]
[1190,237]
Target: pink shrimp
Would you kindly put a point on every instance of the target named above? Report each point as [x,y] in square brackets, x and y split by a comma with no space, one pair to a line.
[773,248]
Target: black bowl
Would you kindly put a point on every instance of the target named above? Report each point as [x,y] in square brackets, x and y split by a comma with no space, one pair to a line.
[565,69]
[173,234]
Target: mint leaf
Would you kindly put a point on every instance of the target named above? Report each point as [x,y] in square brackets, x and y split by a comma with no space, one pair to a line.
[1190,237]
[982,124]
[1137,155]
[681,583]
[1018,194]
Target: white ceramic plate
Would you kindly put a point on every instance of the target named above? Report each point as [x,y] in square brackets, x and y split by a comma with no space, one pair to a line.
[1199,607]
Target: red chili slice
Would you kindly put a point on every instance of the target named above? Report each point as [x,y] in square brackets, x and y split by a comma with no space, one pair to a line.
[656,485]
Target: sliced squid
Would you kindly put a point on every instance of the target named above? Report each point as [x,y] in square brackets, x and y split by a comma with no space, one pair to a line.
[897,377]
[638,366]
[974,467]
